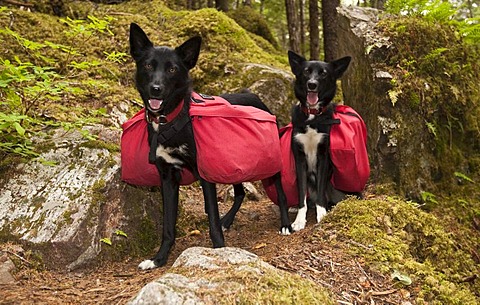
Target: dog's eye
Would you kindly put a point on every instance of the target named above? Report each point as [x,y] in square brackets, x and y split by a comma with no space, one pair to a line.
[172,69]
[148,66]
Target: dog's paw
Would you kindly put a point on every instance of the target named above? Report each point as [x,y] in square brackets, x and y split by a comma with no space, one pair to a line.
[321,212]
[147,265]
[299,225]
[286,230]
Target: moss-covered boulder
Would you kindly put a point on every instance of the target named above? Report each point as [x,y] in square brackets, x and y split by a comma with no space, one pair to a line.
[398,238]
[70,208]
[411,79]
[229,276]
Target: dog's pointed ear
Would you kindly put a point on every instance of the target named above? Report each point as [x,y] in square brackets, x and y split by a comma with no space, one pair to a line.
[139,41]
[189,51]
[296,62]
[340,66]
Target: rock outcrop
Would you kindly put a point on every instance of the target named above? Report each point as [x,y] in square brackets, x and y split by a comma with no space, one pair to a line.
[228,276]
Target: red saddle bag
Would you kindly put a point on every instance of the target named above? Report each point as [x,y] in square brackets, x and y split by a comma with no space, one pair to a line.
[134,150]
[234,144]
[348,151]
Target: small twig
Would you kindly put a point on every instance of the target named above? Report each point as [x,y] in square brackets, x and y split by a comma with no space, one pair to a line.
[13,2]
[377,293]
[360,245]
[343,302]
[469,279]
[19,257]
[364,273]
[12,19]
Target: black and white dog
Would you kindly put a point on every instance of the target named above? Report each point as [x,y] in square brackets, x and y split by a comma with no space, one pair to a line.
[163,81]
[315,87]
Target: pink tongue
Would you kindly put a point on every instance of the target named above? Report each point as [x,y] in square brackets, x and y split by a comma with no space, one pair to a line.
[312,98]
[155,104]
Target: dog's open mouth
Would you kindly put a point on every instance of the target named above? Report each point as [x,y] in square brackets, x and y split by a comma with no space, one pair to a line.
[312,98]
[155,104]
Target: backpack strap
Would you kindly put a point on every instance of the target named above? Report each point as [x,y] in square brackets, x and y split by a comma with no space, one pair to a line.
[167,132]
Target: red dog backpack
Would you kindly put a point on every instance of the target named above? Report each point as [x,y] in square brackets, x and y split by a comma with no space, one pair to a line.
[348,151]
[234,144]
[134,149]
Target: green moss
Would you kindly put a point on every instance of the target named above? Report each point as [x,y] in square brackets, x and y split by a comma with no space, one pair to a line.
[398,235]
[259,285]
[434,84]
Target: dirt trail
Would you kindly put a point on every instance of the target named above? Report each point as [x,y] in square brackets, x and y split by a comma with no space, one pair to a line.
[255,230]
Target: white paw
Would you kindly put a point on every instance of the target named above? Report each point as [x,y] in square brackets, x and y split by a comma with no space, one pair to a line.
[284,231]
[146,265]
[300,220]
[298,225]
[321,212]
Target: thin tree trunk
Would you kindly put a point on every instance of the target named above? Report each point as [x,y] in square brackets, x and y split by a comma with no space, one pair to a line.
[221,5]
[302,25]
[314,29]
[329,20]
[293,26]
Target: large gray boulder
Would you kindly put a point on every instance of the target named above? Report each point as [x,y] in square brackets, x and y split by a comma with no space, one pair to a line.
[65,202]
[228,276]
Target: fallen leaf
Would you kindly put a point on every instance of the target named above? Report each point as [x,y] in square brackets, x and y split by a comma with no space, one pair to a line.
[404,279]
[259,246]
[194,233]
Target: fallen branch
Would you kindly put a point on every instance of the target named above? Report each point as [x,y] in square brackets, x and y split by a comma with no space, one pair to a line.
[17,3]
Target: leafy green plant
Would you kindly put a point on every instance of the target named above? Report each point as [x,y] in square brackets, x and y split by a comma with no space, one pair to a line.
[25,85]
[428,197]
[108,241]
[463,177]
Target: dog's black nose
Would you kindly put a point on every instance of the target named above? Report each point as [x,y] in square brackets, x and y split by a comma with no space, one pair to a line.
[155,90]
[312,86]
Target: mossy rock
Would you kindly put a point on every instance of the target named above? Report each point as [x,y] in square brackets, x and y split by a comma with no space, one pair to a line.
[398,235]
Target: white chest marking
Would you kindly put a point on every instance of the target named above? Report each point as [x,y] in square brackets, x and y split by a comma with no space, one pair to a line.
[310,141]
[166,153]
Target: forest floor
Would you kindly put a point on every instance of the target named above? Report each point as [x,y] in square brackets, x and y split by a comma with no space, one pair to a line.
[255,229]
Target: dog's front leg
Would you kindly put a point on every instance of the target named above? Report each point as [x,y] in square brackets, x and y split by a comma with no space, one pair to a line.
[301,172]
[321,187]
[211,208]
[170,189]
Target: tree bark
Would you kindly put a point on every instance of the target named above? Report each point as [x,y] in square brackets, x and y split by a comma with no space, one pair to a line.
[329,20]
[221,5]
[314,25]
[302,25]
[293,26]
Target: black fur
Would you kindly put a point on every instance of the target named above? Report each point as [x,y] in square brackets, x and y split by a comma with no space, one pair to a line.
[162,79]
[315,87]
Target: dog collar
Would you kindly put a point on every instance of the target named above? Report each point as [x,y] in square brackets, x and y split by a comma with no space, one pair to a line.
[164,119]
[313,111]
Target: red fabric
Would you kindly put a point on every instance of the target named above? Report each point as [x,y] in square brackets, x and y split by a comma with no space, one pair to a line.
[348,150]
[234,143]
[134,154]
[289,177]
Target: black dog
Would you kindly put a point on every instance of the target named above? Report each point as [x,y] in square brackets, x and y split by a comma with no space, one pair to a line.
[162,79]
[315,87]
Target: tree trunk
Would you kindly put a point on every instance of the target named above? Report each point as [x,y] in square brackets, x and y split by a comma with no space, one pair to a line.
[314,29]
[329,20]
[221,5]
[302,25]
[293,26]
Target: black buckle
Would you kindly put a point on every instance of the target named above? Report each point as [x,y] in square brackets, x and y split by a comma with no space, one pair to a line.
[162,120]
